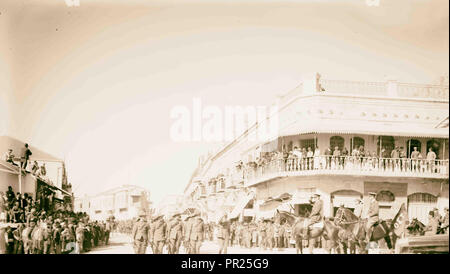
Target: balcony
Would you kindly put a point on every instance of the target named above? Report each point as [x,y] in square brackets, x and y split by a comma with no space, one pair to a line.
[350,165]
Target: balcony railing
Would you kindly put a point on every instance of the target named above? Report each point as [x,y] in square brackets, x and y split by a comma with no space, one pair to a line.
[350,165]
[354,87]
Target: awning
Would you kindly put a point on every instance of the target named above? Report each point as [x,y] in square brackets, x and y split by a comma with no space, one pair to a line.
[370,128]
[241,205]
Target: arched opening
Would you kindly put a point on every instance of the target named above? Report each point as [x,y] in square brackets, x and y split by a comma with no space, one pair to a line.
[385,200]
[344,197]
[357,142]
[435,146]
[420,204]
[337,141]
[387,143]
[411,144]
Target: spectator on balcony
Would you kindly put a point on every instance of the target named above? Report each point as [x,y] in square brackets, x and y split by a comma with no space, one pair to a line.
[43,171]
[26,153]
[9,157]
[290,161]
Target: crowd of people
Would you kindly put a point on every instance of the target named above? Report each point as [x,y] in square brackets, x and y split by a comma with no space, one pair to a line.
[30,227]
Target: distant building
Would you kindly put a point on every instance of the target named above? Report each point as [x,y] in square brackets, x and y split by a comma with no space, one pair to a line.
[124,203]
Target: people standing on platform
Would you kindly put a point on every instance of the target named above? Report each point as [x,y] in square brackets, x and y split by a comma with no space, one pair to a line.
[431,157]
[140,235]
[414,157]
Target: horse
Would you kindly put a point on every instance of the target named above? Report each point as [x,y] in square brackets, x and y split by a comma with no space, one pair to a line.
[382,230]
[329,231]
[416,227]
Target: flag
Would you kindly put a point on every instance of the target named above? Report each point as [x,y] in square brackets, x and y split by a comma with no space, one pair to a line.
[399,221]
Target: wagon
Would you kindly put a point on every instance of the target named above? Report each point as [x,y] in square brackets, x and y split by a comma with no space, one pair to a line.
[433,244]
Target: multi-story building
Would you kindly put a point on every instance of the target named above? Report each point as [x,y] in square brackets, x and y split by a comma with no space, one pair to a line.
[380,125]
[124,203]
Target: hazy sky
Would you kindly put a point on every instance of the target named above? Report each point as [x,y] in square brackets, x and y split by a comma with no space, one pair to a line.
[95,84]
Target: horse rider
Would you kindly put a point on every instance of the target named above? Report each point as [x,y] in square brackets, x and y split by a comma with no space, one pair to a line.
[157,234]
[175,233]
[358,208]
[372,214]
[140,234]
[197,233]
[316,214]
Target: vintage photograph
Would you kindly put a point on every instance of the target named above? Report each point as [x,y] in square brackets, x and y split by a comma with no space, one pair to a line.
[224,127]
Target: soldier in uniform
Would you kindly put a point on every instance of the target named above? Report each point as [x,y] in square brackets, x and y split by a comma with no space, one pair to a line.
[175,233]
[48,238]
[224,234]
[26,237]
[140,235]
[79,232]
[197,233]
[316,214]
[372,215]
[157,234]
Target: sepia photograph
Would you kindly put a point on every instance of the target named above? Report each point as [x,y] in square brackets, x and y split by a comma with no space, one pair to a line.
[245,128]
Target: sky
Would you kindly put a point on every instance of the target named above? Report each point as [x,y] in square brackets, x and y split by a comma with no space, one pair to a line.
[95,84]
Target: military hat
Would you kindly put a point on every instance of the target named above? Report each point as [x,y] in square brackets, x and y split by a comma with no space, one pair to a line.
[372,193]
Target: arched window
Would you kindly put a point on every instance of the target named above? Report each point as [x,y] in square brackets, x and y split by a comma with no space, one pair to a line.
[424,198]
[411,144]
[435,146]
[385,196]
[356,142]
[388,143]
[336,141]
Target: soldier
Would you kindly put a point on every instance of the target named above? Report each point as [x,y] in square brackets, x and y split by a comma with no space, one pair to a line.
[157,234]
[175,233]
[140,235]
[187,231]
[197,233]
[79,232]
[316,214]
[372,215]
[358,208]
[224,234]
[57,237]
[108,228]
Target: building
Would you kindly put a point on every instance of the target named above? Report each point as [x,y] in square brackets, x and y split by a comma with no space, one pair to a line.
[124,203]
[372,120]
[34,184]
